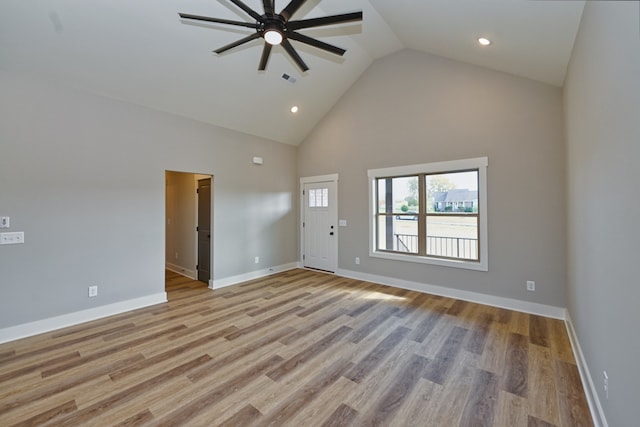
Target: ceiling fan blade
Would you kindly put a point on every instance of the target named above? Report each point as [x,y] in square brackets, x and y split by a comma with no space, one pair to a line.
[237,43]
[265,57]
[255,15]
[294,55]
[316,43]
[218,21]
[291,8]
[269,7]
[325,20]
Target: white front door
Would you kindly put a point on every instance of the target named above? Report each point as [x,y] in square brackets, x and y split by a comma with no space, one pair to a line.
[320,225]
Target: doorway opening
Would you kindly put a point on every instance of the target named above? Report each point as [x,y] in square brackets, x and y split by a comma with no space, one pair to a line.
[188,226]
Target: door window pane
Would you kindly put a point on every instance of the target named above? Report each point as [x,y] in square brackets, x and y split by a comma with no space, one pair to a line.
[319,198]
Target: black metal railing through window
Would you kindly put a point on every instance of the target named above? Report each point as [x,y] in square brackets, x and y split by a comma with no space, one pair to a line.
[450,247]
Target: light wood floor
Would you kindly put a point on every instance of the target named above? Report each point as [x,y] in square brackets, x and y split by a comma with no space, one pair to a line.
[299,348]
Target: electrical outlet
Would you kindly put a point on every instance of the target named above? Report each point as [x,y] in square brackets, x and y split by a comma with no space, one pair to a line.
[357,260]
[256,260]
[605,384]
[531,285]
[93,291]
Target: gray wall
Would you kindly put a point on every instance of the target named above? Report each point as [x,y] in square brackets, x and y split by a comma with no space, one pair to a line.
[602,97]
[84,178]
[411,108]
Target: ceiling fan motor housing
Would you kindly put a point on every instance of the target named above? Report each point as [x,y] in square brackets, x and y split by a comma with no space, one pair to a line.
[272,23]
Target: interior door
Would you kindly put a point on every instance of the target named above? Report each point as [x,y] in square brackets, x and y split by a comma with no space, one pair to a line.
[204,230]
[320,225]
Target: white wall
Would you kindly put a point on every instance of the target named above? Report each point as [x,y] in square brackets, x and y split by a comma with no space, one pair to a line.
[602,101]
[84,178]
[411,108]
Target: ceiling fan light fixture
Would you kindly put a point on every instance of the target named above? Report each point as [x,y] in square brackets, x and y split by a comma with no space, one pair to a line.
[278,28]
[273,37]
[484,41]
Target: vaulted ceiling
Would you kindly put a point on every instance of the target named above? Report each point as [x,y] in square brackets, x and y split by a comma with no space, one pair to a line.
[142,52]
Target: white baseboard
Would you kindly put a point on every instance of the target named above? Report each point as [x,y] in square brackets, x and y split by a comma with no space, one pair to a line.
[45,325]
[192,274]
[495,301]
[597,413]
[232,280]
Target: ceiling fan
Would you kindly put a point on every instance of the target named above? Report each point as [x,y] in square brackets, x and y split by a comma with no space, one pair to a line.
[277,29]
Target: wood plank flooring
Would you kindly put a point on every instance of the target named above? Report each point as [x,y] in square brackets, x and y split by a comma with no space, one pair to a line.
[299,348]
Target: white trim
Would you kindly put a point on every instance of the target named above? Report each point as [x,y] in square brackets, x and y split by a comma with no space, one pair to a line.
[495,301]
[456,263]
[597,413]
[446,166]
[319,178]
[191,274]
[45,325]
[480,163]
[233,280]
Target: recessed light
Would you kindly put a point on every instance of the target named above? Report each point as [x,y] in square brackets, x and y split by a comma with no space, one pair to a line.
[294,109]
[484,41]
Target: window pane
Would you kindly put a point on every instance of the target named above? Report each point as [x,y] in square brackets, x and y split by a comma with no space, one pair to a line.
[398,195]
[453,236]
[453,192]
[398,233]
[312,198]
[319,198]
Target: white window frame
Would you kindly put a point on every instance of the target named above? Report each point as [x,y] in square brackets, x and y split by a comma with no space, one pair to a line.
[479,163]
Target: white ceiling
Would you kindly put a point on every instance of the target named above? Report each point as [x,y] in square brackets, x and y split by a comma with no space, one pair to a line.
[141,52]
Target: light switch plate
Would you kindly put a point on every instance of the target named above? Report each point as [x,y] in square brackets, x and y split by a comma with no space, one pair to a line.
[5,222]
[12,238]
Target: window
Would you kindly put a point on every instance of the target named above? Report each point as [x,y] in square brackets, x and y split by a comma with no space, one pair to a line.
[432,213]
[319,198]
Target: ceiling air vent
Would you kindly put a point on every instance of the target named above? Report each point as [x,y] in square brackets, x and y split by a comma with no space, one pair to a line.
[288,78]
